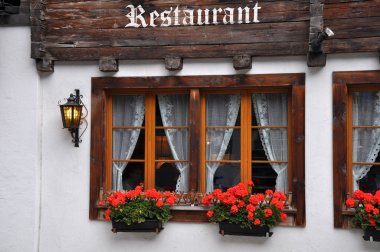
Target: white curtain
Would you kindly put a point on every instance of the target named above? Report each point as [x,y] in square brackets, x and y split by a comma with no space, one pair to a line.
[272,110]
[174,112]
[127,111]
[221,110]
[366,142]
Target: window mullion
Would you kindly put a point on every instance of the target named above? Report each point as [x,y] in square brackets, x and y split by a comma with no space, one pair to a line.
[194,139]
[150,123]
[246,134]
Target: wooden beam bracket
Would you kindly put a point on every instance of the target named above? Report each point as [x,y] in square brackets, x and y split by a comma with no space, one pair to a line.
[242,62]
[108,65]
[45,65]
[315,58]
[173,63]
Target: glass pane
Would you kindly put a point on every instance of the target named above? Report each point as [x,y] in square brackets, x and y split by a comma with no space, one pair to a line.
[226,175]
[177,138]
[128,110]
[172,110]
[370,181]
[223,110]
[166,176]
[365,144]
[133,175]
[270,144]
[223,144]
[128,144]
[263,177]
[366,108]
[270,109]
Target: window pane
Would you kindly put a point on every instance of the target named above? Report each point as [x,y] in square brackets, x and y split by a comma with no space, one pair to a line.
[167,176]
[223,110]
[263,177]
[270,109]
[270,144]
[128,144]
[368,177]
[133,174]
[226,175]
[223,144]
[172,144]
[366,108]
[172,110]
[365,144]
[128,110]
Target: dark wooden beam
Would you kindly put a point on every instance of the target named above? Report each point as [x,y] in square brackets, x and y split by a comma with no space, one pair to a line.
[315,59]
[173,63]
[242,62]
[108,65]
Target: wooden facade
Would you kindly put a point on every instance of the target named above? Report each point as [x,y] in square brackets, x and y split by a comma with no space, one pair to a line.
[74,30]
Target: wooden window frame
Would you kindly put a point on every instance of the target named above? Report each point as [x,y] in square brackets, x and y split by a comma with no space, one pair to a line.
[343,84]
[103,86]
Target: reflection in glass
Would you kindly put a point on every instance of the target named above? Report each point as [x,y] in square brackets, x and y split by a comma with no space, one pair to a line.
[133,175]
[270,144]
[221,111]
[370,182]
[263,177]
[226,175]
[120,140]
[232,151]
[366,108]
[166,176]
[127,111]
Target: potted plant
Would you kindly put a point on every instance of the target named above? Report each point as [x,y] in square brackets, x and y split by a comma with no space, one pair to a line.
[138,211]
[240,213]
[367,213]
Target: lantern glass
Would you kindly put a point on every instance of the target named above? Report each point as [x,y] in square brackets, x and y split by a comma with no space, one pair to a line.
[71,115]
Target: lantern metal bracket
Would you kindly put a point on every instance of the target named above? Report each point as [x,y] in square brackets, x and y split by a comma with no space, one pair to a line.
[75,101]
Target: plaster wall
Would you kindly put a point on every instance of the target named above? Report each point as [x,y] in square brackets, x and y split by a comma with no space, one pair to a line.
[61,222]
[19,144]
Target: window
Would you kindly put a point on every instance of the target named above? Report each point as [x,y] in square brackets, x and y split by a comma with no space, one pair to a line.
[197,133]
[357,127]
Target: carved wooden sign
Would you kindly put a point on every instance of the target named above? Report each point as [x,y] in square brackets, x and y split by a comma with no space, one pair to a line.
[112,30]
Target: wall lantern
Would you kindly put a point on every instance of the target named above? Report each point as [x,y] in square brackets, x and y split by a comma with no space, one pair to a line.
[72,117]
[316,43]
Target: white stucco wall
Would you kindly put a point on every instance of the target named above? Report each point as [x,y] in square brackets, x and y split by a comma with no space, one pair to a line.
[57,204]
[19,145]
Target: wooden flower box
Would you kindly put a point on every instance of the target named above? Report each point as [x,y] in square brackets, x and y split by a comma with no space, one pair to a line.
[146,226]
[371,234]
[226,228]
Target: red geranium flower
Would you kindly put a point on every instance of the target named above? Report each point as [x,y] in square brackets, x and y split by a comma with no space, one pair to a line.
[268,212]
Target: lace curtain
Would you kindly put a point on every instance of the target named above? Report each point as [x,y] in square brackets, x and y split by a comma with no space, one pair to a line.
[272,109]
[366,142]
[127,111]
[174,112]
[221,110]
